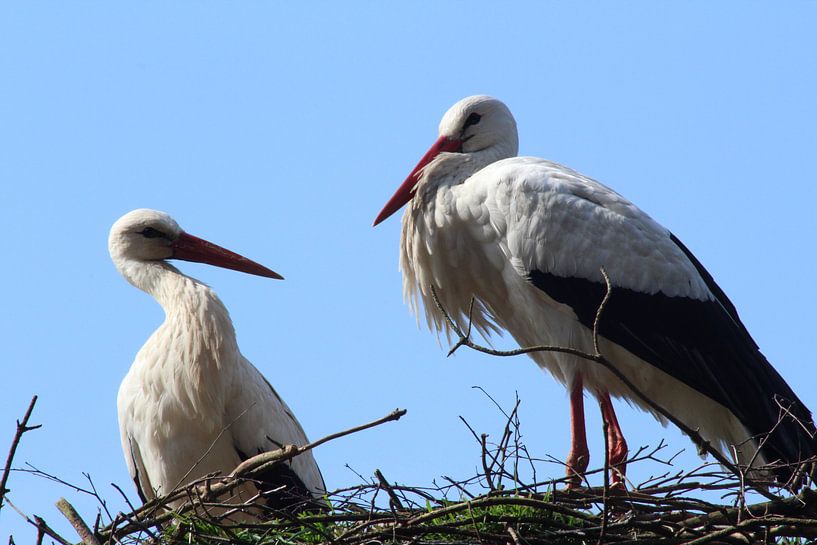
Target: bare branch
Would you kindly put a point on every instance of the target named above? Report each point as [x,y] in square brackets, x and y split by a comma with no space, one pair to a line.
[43,529]
[393,499]
[22,427]
[76,521]
[262,461]
[605,507]
[597,320]
[213,443]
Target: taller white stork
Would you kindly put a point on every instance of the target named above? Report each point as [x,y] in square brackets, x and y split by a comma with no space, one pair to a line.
[191,404]
[528,239]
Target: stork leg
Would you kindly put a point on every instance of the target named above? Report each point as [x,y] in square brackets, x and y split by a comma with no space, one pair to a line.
[616,445]
[579,456]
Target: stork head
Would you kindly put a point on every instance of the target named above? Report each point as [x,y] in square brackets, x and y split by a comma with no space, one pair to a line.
[476,125]
[145,235]
[480,122]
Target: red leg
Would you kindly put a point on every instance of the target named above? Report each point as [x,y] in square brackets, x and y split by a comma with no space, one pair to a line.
[579,456]
[616,445]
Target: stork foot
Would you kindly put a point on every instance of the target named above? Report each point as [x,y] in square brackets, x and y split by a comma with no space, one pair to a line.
[616,444]
[618,462]
[577,462]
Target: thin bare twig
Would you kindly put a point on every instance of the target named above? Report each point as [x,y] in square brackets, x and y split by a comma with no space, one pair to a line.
[213,443]
[22,427]
[261,461]
[483,456]
[124,496]
[95,493]
[605,507]
[43,529]
[600,311]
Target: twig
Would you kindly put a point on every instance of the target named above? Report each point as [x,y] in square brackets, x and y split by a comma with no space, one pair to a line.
[76,521]
[42,528]
[605,508]
[183,479]
[514,535]
[34,470]
[459,487]
[486,471]
[393,416]
[393,499]
[262,461]
[22,427]
[124,496]
[97,496]
[599,311]
[474,433]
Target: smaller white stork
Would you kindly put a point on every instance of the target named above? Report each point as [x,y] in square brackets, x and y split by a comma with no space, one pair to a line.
[191,404]
[528,239]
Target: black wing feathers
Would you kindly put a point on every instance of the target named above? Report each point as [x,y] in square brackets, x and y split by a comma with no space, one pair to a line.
[136,473]
[701,343]
[139,488]
[288,491]
[716,290]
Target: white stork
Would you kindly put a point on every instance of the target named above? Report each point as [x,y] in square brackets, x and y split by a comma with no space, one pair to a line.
[191,404]
[528,239]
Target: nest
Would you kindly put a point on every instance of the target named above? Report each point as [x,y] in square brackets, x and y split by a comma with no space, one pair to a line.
[493,507]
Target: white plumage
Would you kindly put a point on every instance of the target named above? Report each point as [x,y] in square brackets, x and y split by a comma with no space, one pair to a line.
[528,239]
[191,404]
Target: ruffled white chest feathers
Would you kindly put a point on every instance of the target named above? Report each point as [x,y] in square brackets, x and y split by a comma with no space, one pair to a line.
[186,366]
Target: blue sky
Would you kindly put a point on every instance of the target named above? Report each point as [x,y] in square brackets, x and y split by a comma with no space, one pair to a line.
[279,131]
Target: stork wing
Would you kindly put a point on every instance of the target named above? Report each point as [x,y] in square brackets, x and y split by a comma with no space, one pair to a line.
[130,448]
[136,468]
[263,422]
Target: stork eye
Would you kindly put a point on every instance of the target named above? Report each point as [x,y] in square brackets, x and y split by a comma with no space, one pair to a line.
[473,119]
[150,232]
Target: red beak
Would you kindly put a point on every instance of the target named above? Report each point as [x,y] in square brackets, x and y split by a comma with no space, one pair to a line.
[190,248]
[406,190]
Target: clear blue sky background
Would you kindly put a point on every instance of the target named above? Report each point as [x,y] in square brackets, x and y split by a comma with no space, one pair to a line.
[280,130]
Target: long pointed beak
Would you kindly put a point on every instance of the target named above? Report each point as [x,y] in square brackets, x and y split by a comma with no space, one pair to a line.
[406,190]
[190,248]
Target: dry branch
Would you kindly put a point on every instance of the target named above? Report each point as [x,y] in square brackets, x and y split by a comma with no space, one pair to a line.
[394,501]
[76,521]
[43,529]
[22,427]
